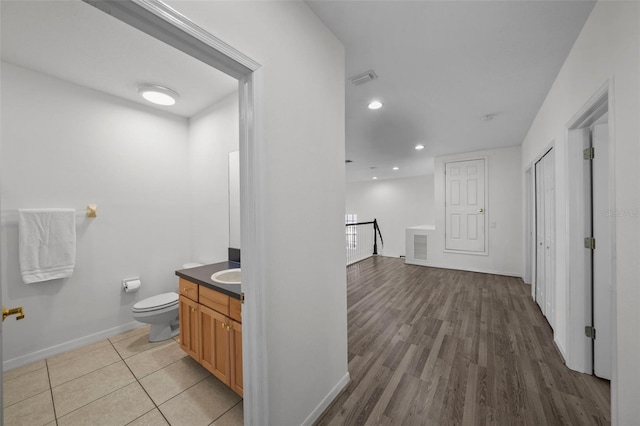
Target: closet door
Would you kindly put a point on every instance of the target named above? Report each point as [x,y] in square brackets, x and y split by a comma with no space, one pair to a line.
[545,235]
[540,237]
[549,236]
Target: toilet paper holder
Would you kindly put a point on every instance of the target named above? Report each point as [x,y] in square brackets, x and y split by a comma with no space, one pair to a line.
[130,285]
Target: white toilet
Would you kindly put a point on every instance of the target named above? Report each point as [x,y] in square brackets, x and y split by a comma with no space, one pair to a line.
[161,312]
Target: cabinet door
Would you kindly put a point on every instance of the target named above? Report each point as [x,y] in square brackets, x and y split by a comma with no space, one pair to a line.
[236,357]
[215,332]
[189,328]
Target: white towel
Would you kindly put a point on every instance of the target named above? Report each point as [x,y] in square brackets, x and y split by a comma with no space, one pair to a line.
[47,244]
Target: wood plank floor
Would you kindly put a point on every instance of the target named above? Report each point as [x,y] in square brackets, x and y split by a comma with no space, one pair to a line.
[432,346]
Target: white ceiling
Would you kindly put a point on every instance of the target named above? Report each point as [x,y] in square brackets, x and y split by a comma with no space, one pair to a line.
[442,67]
[76,42]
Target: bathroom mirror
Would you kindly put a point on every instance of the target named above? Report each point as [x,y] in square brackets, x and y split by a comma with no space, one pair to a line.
[234,199]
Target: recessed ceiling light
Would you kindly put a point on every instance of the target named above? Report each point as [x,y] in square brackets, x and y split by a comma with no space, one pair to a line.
[419,147]
[395,168]
[375,177]
[158,95]
[375,105]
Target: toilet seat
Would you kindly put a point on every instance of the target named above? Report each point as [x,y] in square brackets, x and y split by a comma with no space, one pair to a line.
[156,303]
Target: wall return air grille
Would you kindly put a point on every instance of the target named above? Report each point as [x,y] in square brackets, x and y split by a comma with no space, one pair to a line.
[420,247]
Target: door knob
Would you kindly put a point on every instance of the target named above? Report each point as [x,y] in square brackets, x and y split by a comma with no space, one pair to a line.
[480,210]
[13,311]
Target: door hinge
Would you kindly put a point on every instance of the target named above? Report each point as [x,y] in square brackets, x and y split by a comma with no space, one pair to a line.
[589,153]
[590,243]
[242,297]
[590,332]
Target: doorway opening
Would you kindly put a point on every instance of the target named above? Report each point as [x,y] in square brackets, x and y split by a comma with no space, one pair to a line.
[165,24]
[591,238]
[161,22]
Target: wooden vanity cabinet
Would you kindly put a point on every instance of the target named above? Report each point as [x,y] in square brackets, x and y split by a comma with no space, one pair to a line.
[216,338]
[189,289]
[236,357]
[211,332]
[189,322]
[235,310]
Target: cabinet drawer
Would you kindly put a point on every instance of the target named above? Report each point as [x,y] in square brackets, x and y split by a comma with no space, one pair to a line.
[215,300]
[235,309]
[189,289]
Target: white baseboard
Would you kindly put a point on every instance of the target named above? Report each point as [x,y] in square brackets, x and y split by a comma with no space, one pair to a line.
[317,412]
[561,349]
[462,268]
[10,364]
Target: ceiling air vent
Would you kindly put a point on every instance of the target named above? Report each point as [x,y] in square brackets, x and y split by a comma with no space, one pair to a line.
[365,77]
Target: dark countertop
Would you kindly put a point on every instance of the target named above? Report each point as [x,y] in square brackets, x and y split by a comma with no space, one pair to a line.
[202,275]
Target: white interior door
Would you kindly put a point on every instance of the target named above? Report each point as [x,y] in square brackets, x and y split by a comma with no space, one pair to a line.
[540,237]
[545,235]
[549,236]
[529,247]
[465,205]
[602,312]
[1,358]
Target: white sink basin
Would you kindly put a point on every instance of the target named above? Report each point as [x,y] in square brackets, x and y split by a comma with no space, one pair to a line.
[228,276]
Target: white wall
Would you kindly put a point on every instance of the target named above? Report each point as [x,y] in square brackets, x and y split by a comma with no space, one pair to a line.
[503,189]
[67,146]
[213,133]
[161,185]
[397,204]
[608,48]
[303,135]
[402,203]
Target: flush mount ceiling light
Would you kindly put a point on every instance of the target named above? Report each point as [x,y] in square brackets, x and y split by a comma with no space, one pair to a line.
[158,95]
[375,105]
[419,147]
[375,178]
[395,168]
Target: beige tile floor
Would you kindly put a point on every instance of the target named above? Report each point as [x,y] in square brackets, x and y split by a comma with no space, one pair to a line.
[124,380]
